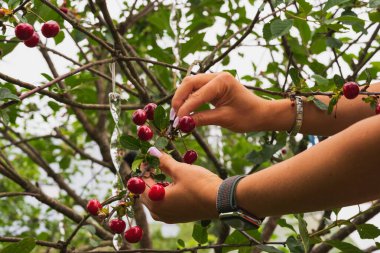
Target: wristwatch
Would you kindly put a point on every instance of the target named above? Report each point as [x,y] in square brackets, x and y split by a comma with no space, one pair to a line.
[229,212]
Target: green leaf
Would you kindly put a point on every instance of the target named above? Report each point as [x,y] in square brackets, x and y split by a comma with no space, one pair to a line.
[269,249]
[161,143]
[339,81]
[333,42]
[136,163]
[26,245]
[199,233]
[180,243]
[192,45]
[344,246]
[282,223]
[280,27]
[160,120]
[267,34]
[294,74]
[59,37]
[153,161]
[303,29]
[294,245]
[374,16]
[305,6]
[4,116]
[320,104]
[320,80]
[368,231]
[332,3]
[159,177]
[7,47]
[333,102]
[47,76]
[302,226]
[129,142]
[374,3]
[65,162]
[7,94]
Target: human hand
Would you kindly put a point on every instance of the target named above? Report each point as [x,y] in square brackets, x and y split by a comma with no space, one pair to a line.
[190,197]
[236,108]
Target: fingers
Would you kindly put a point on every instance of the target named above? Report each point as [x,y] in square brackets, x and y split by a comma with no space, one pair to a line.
[210,117]
[167,164]
[211,92]
[188,85]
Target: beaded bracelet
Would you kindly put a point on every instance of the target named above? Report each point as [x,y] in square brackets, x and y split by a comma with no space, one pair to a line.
[299,117]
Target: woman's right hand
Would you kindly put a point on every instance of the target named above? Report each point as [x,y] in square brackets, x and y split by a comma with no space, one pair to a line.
[236,108]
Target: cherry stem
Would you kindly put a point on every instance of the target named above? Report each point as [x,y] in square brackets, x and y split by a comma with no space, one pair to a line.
[184,144]
[129,221]
[37,15]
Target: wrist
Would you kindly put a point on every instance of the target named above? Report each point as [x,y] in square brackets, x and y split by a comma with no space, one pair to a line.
[277,115]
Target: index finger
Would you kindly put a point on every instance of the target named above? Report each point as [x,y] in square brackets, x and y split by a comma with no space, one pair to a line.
[189,85]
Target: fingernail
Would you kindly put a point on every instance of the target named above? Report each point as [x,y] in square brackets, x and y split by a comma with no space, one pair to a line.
[172,114]
[175,123]
[154,152]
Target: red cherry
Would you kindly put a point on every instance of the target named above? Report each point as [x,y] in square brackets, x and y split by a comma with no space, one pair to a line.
[139,117]
[190,156]
[186,124]
[350,90]
[117,226]
[24,31]
[156,192]
[64,9]
[32,41]
[136,185]
[133,234]
[149,109]
[50,29]
[94,206]
[377,110]
[283,151]
[145,133]
[164,184]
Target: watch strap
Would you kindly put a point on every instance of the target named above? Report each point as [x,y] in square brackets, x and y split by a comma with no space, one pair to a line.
[225,200]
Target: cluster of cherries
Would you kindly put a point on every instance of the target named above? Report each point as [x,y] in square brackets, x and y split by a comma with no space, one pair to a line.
[351,91]
[186,124]
[26,32]
[136,184]
[132,235]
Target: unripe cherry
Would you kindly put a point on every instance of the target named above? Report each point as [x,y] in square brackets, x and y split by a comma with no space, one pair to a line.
[94,206]
[32,41]
[117,226]
[136,185]
[145,133]
[186,124]
[149,109]
[139,117]
[24,31]
[133,234]
[190,156]
[50,29]
[156,192]
[350,90]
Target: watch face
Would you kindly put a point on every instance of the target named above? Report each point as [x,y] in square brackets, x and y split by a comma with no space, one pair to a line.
[239,221]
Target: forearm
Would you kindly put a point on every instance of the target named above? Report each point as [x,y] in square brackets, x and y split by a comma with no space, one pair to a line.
[280,115]
[339,171]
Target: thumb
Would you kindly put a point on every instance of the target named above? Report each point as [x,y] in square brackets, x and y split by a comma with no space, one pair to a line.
[167,163]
